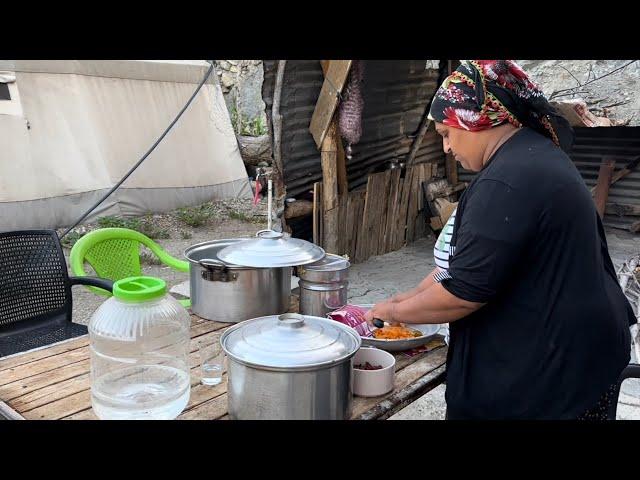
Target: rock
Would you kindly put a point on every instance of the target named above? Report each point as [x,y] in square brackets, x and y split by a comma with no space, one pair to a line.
[226,79]
[622,86]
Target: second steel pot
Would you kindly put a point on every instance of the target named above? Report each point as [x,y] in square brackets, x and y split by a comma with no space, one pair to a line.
[232,293]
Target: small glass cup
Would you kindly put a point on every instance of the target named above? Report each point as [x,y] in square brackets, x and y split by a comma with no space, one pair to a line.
[211,360]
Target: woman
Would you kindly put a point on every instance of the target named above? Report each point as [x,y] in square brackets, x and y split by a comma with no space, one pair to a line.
[539,327]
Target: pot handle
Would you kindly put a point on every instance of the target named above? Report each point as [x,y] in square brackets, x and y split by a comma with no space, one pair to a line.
[291,320]
[269,234]
[216,271]
[210,263]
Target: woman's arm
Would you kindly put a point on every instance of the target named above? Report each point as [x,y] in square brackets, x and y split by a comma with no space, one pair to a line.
[432,305]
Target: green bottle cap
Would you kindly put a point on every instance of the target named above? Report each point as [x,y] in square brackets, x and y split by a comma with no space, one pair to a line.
[139,289]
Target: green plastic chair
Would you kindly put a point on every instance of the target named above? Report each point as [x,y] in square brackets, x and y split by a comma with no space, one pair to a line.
[114,253]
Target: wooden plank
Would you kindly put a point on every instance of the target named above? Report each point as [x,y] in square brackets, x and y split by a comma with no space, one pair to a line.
[628,168]
[383,211]
[404,377]
[361,248]
[29,356]
[56,410]
[341,158]
[210,410]
[367,245]
[401,225]
[82,415]
[23,386]
[334,81]
[407,395]
[414,194]
[329,170]
[52,393]
[330,191]
[421,222]
[353,220]
[392,210]
[604,181]
[8,413]
[44,365]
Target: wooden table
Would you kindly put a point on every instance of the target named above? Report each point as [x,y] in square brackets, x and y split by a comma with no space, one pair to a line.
[53,382]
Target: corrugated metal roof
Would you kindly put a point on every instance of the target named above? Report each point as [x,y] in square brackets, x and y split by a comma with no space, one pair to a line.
[591,145]
[395,93]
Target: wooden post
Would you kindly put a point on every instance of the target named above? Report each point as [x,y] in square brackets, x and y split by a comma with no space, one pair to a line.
[276,121]
[341,158]
[604,181]
[330,191]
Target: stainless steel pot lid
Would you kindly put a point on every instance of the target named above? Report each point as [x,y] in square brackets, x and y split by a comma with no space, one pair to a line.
[330,263]
[271,249]
[207,253]
[290,342]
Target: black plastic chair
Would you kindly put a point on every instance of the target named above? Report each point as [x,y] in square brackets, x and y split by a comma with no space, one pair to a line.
[35,291]
[631,371]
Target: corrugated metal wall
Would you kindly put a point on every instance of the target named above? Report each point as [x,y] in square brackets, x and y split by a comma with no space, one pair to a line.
[621,143]
[395,93]
[591,145]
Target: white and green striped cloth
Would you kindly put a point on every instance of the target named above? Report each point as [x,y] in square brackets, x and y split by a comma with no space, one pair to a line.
[443,250]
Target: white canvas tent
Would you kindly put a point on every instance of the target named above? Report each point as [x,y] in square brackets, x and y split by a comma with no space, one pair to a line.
[71,129]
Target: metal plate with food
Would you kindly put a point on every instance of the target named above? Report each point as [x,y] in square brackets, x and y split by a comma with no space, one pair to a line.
[397,339]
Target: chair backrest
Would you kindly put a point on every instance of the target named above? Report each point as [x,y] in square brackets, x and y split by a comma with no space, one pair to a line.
[115,259]
[34,282]
[113,253]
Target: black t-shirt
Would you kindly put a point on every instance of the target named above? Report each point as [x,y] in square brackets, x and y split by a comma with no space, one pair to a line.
[554,332]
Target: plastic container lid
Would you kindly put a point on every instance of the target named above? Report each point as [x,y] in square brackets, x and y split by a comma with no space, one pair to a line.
[290,342]
[139,289]
[271,250]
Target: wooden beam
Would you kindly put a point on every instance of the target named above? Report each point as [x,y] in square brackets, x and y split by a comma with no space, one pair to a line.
[604,181]
[334,81]
[341,159]
[417,141]
[330,191]
[622,173]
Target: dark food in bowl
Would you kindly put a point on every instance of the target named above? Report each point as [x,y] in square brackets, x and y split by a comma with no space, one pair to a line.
[367,366]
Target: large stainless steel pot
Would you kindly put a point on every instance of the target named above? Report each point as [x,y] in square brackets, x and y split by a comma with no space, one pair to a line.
[232,293]
[290,367]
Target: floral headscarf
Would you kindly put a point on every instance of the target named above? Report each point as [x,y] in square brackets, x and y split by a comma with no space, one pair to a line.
[483,94]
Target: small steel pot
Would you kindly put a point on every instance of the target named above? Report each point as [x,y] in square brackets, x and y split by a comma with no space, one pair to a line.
[324,285]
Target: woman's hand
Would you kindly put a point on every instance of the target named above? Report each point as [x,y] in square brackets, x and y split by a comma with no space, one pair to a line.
[383,311]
